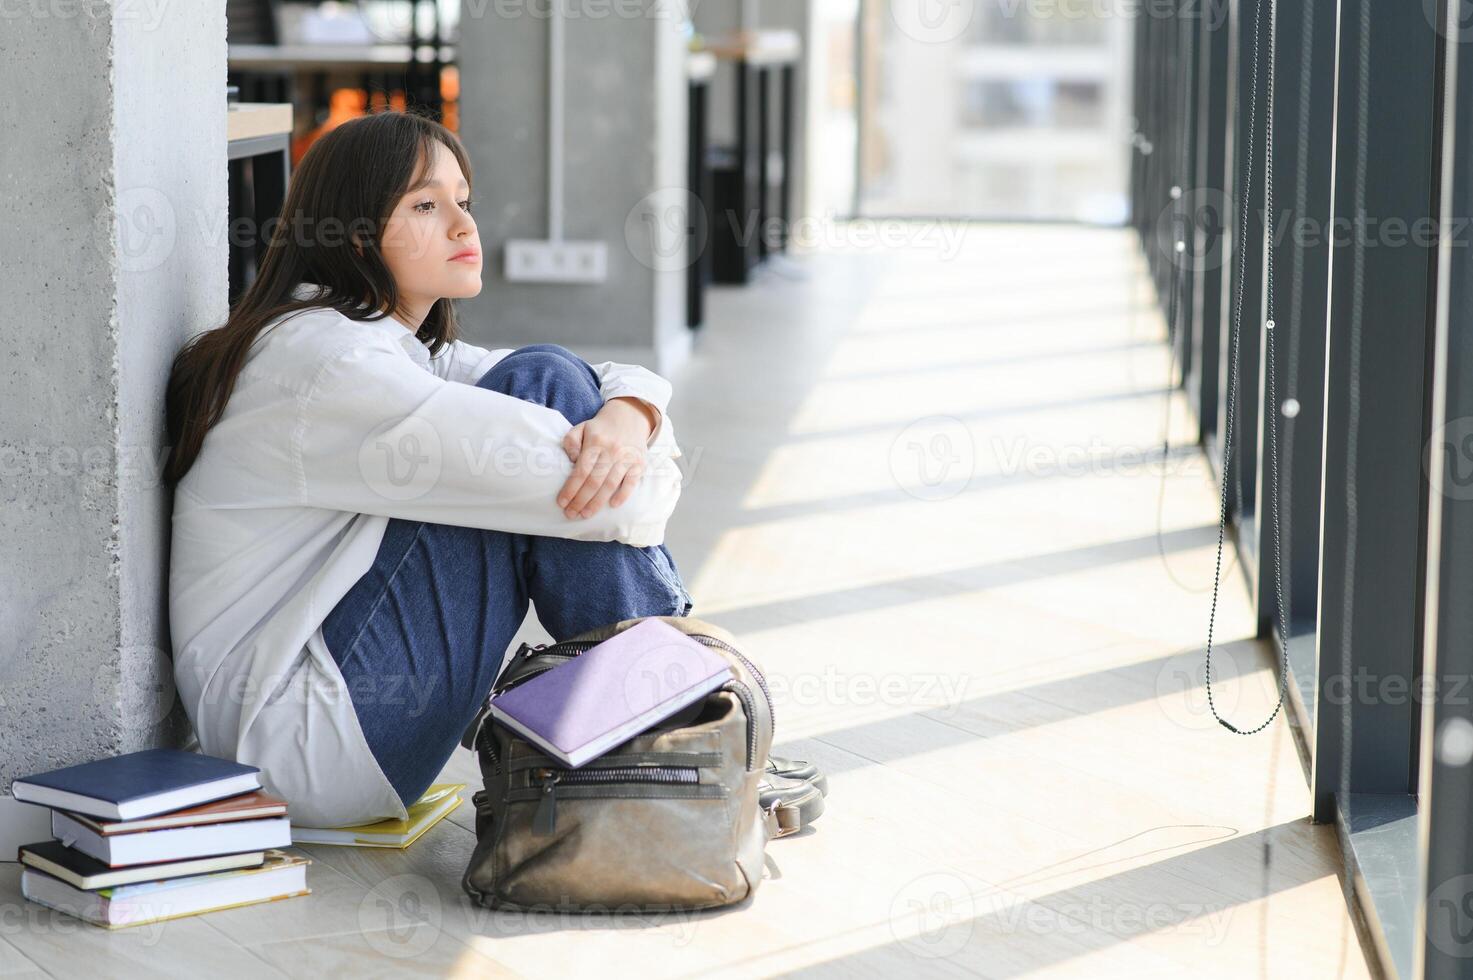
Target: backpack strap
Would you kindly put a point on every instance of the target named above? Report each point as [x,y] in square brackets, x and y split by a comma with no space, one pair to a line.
[782,819]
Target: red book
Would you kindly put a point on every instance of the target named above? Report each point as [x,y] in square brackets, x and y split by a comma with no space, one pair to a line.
[246,806]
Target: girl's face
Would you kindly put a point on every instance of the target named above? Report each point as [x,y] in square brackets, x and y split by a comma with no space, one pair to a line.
[430,243]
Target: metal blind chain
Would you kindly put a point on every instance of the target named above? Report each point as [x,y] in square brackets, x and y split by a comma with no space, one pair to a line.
[1235,326]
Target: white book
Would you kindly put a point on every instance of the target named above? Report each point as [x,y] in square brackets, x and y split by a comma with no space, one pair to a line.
[282,876]
[173,844]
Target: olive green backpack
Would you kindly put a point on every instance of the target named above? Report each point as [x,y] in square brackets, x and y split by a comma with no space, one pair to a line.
[669,820]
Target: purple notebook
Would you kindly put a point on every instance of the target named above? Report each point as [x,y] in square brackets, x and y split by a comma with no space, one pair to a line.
[580,709]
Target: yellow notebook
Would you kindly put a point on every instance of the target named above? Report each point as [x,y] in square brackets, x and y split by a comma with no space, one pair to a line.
[435,805]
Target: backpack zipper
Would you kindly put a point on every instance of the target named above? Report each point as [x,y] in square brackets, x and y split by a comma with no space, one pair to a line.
[544,819]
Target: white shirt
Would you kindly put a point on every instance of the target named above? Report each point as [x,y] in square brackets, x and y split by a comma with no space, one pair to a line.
[335,426]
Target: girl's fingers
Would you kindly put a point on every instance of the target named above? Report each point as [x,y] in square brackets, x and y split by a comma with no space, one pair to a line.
[573,441]
[612,482]
[601,475]
[597,472]
[582,468]
[626,488]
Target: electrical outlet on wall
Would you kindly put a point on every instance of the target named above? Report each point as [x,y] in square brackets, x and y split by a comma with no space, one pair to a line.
[529,260]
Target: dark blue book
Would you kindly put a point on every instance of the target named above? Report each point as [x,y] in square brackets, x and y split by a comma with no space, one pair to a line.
[580,709]
[139,784]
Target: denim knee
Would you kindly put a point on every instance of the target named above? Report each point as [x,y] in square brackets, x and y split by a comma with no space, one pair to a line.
[549,375]
[557,349]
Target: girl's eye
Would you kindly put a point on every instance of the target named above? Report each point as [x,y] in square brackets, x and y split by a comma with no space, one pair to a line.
[425,207]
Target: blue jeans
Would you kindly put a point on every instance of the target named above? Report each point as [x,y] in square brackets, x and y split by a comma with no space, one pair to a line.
[421,636]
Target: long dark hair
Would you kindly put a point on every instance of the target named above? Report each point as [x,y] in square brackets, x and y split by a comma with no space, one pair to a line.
[340,196]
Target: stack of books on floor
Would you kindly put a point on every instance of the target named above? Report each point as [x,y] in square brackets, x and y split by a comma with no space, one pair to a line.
[155,835]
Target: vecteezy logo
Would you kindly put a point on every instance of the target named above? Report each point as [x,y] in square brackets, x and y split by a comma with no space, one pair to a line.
[403,463]
[1191,229]
[656,675]
[1450,916]
[1457,25]
[140,690]
[933,21]
[400,916]
[933,458]
[933,915]
[1181,688]
[408,448]
[666,230]
[1452,445]
[146,229]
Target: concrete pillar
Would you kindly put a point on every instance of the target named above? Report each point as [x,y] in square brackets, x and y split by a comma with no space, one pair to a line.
[624,172]
[113,242]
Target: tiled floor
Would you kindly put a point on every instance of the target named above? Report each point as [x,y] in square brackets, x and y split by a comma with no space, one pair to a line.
[925,490]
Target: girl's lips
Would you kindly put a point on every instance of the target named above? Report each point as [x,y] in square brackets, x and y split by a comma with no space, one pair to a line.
[466,257]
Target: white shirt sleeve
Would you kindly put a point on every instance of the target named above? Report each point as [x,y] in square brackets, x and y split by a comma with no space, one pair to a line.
[375,434]
[466,364]
[616,380]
